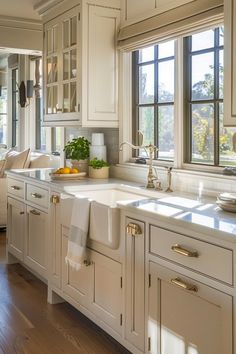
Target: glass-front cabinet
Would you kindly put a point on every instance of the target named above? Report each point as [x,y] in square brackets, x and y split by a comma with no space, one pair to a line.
[61,53]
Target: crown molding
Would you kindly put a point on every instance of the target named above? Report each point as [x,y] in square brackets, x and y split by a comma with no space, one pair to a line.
[43,6]
[18,22]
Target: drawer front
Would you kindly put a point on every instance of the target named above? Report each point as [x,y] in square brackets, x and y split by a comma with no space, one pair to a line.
[203,257]
[37,195]
[15,187]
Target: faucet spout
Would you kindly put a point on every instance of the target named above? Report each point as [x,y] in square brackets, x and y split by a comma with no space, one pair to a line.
[129,144]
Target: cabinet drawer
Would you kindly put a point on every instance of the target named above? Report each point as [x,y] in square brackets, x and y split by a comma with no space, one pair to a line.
[37,195]
[15,187]
[203,257]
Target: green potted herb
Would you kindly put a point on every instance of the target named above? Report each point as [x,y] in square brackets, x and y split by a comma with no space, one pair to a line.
[98,168]
[78,151]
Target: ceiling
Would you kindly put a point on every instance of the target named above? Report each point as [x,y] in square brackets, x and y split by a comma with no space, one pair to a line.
[18,8]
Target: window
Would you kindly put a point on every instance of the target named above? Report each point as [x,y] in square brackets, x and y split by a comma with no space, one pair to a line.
[153,98]
[206,140]
[3,115]
[15,109]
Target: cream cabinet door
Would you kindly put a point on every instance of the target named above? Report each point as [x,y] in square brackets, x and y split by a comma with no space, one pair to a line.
[55,240]
[100,70]
[135,283]
[186,316]
[77,284]
[16,228]
[36,236]
[230,62]
[107,297]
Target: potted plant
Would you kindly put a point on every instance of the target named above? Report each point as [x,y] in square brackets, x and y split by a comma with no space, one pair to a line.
[98,168]
[78,151]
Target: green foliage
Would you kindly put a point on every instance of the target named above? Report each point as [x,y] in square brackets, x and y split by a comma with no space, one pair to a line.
[97,164]
[77,149]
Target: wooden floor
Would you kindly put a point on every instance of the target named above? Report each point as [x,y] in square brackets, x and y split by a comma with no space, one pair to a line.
[29,325]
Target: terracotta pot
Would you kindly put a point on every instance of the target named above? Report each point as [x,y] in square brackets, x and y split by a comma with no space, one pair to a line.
[99,172]
[81,165]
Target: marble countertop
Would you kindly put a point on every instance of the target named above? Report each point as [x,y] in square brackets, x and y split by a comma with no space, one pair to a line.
[180,209]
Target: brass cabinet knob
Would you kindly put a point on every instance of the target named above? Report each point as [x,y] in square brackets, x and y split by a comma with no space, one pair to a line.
[36,195]
[134,229]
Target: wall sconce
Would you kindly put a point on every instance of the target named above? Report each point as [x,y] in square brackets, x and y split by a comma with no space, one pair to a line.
[25,93]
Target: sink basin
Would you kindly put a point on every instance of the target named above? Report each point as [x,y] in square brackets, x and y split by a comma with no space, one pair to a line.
[105,215]
[110,197]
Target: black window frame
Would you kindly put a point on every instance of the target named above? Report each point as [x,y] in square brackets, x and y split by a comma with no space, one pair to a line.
[135,98]
[188,101]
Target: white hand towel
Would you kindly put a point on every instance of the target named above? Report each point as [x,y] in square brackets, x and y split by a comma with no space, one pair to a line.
[76,253]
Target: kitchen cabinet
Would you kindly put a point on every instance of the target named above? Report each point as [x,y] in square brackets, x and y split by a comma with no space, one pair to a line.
[16,227]
[186,316]
[81,67]
[135,283]
[35,254]
[96,286]
[229,63]
[61,68]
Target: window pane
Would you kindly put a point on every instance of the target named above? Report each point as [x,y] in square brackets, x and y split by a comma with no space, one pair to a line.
[146,54]
[203,133]
[3,116]
[73,97]
[221,32]
[221,74]
[73,63]
[49,100]
[166,132]
[55,99]
[73,25]
[54,69]
[49,70]
[203,40]
[146,126]
[227,142]
[66,57]
[146,84]
[66,105]
[166,81]
[166,49]
[203,76]
[66,34]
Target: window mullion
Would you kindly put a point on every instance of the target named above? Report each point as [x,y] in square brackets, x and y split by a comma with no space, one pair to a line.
[156,98]
[216,96]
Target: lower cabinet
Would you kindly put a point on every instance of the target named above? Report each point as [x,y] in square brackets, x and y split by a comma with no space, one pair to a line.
[35,255]
[186,316]
[98,286]
[135,283]
[16,227]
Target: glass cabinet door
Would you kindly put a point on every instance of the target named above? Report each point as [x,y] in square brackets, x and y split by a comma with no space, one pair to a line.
[52,98]
[69,62]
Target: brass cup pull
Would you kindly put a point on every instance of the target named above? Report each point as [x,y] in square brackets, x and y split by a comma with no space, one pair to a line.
[184,285]
[55,199]
[34,212]
[184,252]
[36,195]
[87,263]
[15,188]
[134,229]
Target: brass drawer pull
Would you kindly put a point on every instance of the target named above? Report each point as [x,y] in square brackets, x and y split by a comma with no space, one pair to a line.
[183,285]
[184,252]
[15,188]
[36,195]
[34,212]
[134,229]
[88,263]
[22,212]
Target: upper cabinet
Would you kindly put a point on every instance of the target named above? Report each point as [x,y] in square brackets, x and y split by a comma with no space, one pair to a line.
[81,67]
[61,53]
[230,63]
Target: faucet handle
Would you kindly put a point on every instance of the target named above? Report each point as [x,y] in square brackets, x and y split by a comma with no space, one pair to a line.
[158,186]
